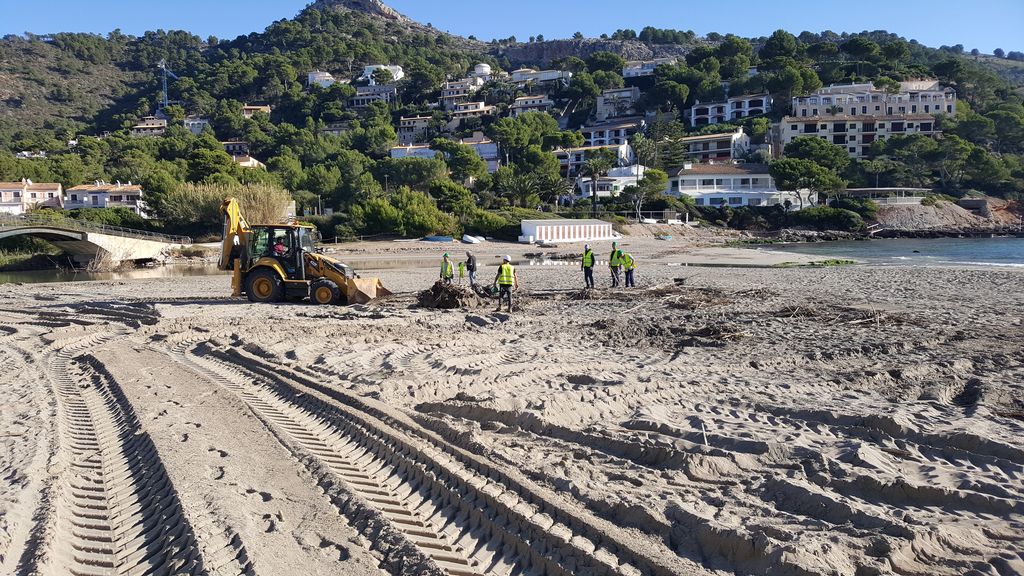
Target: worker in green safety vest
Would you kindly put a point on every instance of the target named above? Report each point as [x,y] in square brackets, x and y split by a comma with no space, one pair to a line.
[447,271]
[629,265]
[587,265]
[506,280]
[615,263]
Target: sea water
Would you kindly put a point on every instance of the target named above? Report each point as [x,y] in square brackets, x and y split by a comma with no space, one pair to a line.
[919,252]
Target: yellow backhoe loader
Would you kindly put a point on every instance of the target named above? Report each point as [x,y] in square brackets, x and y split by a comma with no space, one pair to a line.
[276,262]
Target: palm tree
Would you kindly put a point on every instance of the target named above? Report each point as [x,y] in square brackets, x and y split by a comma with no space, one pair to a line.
[595,167]
[520,187]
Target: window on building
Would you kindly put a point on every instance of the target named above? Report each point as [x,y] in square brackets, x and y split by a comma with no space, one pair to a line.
[17,194]
[913,109]
[744,181]
[716,201]
[897,127]
[949,109]
[115,198]
[735,200]
[32,195]
[74,197]
[863,109]
[754,202]
[877,108]
[925,127]
[699,201]
[95,200]
[674,185]
[794,126]
[49,195]
[719,181]
[853,149]
[707,182]
[814,112]
[803,113]
[881,125]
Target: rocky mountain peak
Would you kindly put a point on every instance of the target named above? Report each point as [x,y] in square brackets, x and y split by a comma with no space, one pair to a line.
[371,7]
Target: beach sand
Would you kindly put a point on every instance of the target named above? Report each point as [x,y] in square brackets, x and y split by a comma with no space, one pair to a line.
[715,420]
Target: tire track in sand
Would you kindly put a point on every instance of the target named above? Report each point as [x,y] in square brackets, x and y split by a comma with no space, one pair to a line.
[501,525]
[115,510]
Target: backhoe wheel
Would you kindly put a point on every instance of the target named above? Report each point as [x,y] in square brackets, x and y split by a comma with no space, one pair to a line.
[264,286]
[324,291]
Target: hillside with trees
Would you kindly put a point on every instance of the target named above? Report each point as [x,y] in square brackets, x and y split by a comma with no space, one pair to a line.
[92,89]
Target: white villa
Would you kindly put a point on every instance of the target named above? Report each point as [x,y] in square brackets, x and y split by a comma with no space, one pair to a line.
[396,72]
[102,194]
[612,184]
[733,185]
[734,108]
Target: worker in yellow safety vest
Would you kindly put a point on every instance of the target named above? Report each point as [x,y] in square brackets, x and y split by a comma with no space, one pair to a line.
[447,271]
[615,263]
[629,265]
[587,265]
[506,280]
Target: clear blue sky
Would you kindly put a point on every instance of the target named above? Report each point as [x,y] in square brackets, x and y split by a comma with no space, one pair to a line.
[982,24]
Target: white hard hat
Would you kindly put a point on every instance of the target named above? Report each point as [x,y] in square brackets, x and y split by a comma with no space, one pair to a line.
[506,258]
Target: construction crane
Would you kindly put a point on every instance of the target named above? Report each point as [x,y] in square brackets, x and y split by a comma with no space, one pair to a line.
[162,65]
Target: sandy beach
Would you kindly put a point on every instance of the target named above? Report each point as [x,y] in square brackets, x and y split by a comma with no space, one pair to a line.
[850,420]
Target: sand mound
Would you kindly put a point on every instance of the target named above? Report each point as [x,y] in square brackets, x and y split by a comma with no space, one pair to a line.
[448,296]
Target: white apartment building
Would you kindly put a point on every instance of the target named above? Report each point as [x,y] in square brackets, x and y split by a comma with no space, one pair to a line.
[459,91]
[320,78]
[150,126]
[396,72]
[523,76]
[366,95]
[722,147]
[612,132]
[611,184]
[856,133]
[734,108]
[195,125]
[570,160]
[913,97]
[617,102]
[412,129]
[20,197]
[102,194]
[638,68]
[524,104]
[733,185]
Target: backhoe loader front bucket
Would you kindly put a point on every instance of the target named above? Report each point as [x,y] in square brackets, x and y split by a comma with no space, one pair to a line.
[363,290]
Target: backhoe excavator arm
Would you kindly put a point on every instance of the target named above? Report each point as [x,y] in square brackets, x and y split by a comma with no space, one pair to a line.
[233,234]
[234,237]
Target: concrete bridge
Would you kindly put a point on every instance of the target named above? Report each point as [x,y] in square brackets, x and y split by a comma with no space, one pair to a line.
[88,241]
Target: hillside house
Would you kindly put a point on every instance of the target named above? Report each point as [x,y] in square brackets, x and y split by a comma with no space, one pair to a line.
[524,104]
[617,102]
[734,108]
[454,92]
[366,95]
[570,160]
[248,110]
[320,78]
[195,124]
[149,126]
[412,129]
[611,132]
[396,72]
[611,184]
[638,68]
[722,147]
[524,76]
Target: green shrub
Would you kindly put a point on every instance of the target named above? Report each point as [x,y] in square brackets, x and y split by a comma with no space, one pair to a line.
[483,223]
[406,213]
[865,207]
[827,218]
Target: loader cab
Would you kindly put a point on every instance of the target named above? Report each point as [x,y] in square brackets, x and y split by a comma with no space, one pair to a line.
[286,244]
